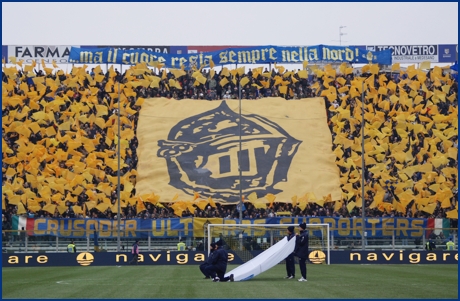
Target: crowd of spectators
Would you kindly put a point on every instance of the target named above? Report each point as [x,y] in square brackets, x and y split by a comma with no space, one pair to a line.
[63,126]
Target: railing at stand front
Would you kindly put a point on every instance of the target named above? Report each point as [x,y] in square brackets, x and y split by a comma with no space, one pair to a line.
[21,241]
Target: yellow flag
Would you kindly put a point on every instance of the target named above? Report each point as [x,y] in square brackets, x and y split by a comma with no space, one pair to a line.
[201,79]
[211,202]
[153,64]
[320,202]
[21,209]
[374,69]
[281,69]
[267,74]
[223,82]
[178,73]
[429,208]
[304,64]
[101,110]
[102,207]
[10,172]
[65,126]
[172,82]
[225,72]
[395,67]
[351,205]
[257,86]
[271,198]
[302,74]
[49,208]
[252,197]
[282,89]
[140,206]
[452,214]
[244,81]
[425,65]
[201,204]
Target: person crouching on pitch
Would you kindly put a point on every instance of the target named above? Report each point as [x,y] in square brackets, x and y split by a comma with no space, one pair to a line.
[208,262]
[218,264]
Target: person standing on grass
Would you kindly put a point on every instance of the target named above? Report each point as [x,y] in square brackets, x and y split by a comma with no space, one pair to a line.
[71,248]
[208,262]
[290,264]
[301,250]
[135,252]
[218,265]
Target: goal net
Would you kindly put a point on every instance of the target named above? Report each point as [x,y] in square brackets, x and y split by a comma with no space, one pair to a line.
[244,239]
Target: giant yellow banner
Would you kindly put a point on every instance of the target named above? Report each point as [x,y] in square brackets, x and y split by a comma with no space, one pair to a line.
[188,146]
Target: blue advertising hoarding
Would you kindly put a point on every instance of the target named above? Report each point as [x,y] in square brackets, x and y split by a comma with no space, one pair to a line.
[442,53]
[85,259]
[448,53]
[4,52]
[407,54]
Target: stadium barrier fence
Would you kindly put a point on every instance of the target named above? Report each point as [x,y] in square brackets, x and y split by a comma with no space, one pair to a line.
[14,241]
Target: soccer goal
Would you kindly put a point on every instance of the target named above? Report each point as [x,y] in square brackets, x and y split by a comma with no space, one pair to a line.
[242,238]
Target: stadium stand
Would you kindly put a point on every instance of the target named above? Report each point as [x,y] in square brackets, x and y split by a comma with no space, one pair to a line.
[59,137]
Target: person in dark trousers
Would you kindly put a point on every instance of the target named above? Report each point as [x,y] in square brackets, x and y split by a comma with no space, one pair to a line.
[71,248]
[218,265]
[301,250]
[135,252]
[290,263]
[208,262]
[430,245]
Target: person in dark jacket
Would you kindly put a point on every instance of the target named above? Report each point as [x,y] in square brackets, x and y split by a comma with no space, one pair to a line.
[135,253]
[290,264]
[429,246]
[208,262]
[218,265]
[301,250]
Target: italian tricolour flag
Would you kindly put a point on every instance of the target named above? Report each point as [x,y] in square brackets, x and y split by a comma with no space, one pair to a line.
[23,223]
[439,225]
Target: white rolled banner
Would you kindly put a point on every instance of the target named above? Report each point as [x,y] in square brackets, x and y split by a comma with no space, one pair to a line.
[264,261]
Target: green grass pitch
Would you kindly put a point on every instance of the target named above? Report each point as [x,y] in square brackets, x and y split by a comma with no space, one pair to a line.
[167,282]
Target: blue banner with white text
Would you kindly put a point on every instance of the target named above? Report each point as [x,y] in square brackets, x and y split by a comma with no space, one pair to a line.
[249,55]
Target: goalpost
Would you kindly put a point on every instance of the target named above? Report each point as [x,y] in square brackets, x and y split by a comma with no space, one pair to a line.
[247,237]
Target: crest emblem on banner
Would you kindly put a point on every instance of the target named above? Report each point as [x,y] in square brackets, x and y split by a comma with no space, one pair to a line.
[203,154]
